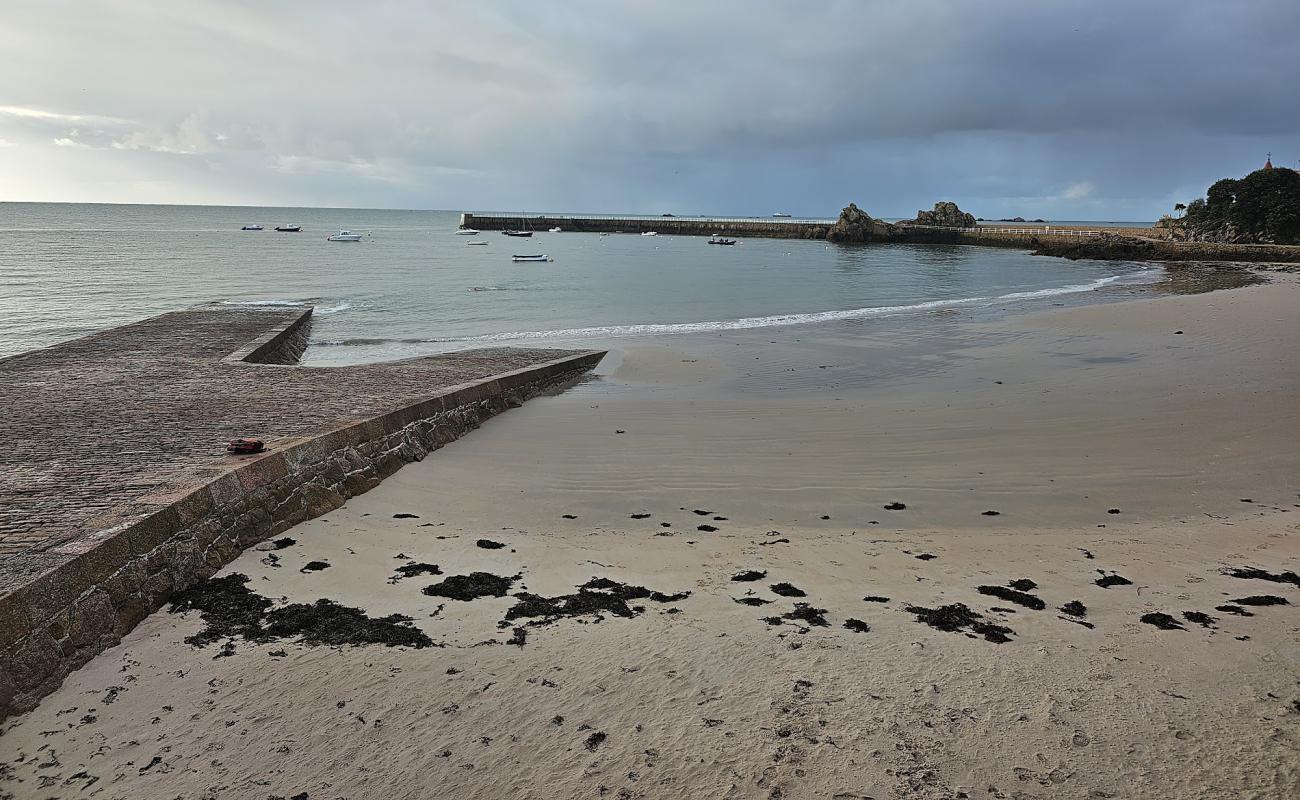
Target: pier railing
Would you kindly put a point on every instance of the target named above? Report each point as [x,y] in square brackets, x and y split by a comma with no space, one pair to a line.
[980,230]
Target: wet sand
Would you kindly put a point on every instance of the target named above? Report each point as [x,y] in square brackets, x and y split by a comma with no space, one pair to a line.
[793,441]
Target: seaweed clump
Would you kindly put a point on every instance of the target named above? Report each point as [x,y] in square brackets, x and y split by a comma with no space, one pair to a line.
[230,609]
[1075,609]
[1107,581]
[1162,621]
[1262,600]
[787,590]
[1255,573]
[802,613]
[471,586]
[1013,596]
[596,596]
[956,617]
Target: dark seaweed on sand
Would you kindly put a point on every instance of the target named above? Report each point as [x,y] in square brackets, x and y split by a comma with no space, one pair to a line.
[706,528]
[1075,609]
[802,613]
[875,598]
[1012,596]
[1107,581]
[749,575]
[1231,609]
[787,590]
[752,601]
[1200,618]
[471,586]
[1023,585]
[594,740]
[411,570]
[230,609]
[857,625]
[488,544]
[956,617]
[1262,600]
[593,597]
[1254,573]
[315,566]
[927,556]
[1162,621]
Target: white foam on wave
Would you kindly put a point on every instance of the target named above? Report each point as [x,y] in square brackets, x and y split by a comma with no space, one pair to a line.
[318,310]
[746,323]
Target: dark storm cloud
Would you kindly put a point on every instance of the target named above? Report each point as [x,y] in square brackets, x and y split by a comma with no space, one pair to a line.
[1063,109]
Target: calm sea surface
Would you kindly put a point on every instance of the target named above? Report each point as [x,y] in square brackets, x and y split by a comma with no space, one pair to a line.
[413,286]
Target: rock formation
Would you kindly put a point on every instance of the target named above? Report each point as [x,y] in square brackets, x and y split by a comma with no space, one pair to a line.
[856,225]
[946,215]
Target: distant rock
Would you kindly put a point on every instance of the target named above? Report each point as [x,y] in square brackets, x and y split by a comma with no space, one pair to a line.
[946,215]
[856,225]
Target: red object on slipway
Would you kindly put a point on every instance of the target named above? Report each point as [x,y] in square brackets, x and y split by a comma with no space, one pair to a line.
[244,446]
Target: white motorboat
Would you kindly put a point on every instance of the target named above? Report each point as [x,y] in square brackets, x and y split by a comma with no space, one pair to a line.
[289,228]
[466,232]
[251,228]
[649,233]
[531,258]
[344,236]
[478,241]
[554,230]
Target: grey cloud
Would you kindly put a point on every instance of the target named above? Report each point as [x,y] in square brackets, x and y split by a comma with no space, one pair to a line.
[1058,109]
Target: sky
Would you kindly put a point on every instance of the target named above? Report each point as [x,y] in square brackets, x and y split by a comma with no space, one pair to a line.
[1095,110]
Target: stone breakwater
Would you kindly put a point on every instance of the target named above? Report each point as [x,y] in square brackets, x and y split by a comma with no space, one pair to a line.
[859,228]
[115,488]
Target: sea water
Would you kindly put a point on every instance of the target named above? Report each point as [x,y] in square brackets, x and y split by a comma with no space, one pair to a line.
[413,286]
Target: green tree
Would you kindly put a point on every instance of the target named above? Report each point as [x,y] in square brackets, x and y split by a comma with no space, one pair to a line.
[1264,206]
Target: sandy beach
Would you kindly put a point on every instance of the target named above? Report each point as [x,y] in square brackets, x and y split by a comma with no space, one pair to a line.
[1049,556]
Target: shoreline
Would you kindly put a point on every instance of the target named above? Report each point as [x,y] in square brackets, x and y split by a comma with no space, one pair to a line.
[1051,419]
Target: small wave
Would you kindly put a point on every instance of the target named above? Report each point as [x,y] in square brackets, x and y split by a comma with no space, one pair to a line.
[746,323]
[267,302]
[310,301]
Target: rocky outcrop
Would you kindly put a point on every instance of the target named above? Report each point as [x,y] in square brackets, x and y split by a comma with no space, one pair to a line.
[946,215]
[856,225]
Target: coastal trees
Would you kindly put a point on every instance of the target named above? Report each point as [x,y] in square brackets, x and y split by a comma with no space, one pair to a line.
[1263,207]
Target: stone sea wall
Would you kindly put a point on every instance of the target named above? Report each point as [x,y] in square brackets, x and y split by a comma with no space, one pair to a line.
[63,618]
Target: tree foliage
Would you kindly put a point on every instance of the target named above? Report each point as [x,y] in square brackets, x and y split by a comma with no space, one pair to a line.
[1263,207]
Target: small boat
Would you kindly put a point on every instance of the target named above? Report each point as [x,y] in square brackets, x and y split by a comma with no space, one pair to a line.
[722,241]
[531,258]
[649,233]
[518,233]
[289,228]
[251,228]
[555,230]
[780,215]
[344,236]
[477,241]
[466,232]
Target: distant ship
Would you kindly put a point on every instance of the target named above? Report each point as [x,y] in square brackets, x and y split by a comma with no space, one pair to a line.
[251,228]
[344,236]
[518,233]
[779,214]
[466,232]
[289,228]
